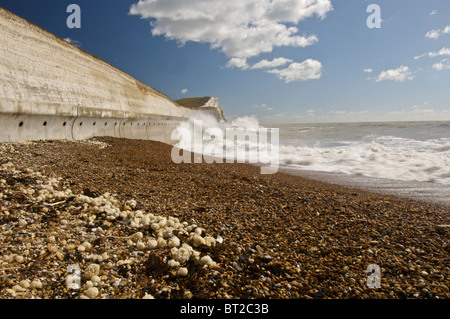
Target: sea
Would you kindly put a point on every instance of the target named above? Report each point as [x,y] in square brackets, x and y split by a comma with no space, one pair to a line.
[406,159]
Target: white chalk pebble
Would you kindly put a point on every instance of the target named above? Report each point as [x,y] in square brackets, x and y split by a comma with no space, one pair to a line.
[198,240]
[137,236]
[36,284]
[210,241]
[182,272]
[92,292]
[18,258]
[206,260]
[182,255]
[173,263]
[174,242]
[88,284]
[92,270]
[152,243]
[22,223]
[95,279]
[140,245]
[18,288]
[123,215]
[11,292]
[161,242]
[25,284]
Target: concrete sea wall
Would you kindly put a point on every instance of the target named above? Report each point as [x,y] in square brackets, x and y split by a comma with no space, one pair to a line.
[51,89]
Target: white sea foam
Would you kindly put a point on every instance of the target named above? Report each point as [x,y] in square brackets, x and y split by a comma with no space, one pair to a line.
[372,160]
[372,155]
[241,141]
[399,151]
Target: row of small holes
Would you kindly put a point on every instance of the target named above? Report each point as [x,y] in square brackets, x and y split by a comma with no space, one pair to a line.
[131,124]
[81,123]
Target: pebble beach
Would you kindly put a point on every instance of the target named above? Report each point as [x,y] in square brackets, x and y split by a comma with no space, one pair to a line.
[113,218]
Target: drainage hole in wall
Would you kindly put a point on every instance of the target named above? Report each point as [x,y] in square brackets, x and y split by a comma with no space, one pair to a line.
[65,123]
[20,124]
[45,123]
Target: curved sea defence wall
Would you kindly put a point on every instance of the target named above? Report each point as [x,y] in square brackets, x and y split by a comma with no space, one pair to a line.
[51,89]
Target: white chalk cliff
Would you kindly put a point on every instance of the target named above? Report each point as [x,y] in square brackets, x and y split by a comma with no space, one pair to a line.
[50,88]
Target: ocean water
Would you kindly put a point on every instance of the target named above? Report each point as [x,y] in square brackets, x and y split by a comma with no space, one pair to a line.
[405,159]
[404,151]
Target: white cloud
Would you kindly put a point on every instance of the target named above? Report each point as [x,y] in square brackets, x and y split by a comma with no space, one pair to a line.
[307,70]
[184,91]
[434,34]
[443,65]
[278,115]
[271,64]
[401,74]
[240,29]
[368,70]
[420,56]
[74,42]
[263,106]
[433,12]
[441,52]
[333,116]
[420,115]
[240,63]
[338,112]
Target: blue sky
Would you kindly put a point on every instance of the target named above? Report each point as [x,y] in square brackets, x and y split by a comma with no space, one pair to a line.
[280,60]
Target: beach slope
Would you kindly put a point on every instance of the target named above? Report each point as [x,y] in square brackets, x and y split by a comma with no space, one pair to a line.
[95,205]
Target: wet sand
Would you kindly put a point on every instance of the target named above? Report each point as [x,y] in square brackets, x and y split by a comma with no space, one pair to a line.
[139,226]
[415,190]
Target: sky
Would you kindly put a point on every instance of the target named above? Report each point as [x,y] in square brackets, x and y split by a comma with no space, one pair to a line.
[283,61]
